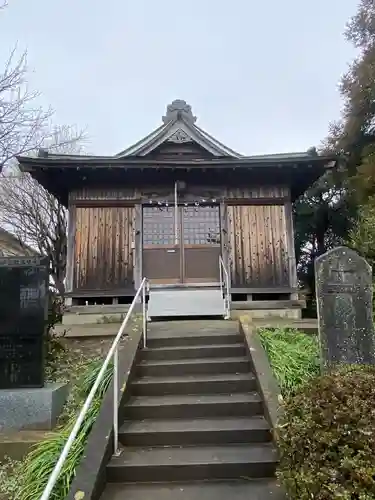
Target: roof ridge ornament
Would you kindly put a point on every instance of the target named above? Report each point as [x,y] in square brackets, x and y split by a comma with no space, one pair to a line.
[179,109]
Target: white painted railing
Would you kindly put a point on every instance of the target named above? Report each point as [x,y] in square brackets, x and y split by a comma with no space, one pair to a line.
[112,353]
[224,287]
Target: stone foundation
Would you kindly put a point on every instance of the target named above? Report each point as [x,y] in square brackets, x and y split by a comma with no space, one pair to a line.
[17,444]
[264,309]
[84,315]
[292,314]
[33,409]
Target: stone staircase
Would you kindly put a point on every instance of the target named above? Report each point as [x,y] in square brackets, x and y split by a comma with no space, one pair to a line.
[194,425]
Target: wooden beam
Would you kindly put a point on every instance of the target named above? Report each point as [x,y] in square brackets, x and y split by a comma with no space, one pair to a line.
[293,280]
[257,201]
[224,238]
[70,249]
[115,292]
[138,246]
[93,203]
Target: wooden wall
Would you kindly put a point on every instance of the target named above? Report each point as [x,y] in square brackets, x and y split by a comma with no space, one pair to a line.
[167,192]
[257,235]
[259,239]
[256,192]
[103,253]
[93,194]
[259,254]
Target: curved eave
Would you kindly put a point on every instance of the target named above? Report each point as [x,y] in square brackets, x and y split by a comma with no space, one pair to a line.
[228,151]
[61,176]
[137,162]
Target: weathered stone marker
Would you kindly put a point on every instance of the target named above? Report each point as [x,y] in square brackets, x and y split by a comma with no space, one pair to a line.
[23,315]
[26,402]
[345,310]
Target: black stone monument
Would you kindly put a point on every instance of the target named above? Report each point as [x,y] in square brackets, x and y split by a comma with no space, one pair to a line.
[23,321]
[345,310]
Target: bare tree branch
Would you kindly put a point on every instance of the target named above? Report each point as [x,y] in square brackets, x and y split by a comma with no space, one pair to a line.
[23,126]
[33,215]
[27,210]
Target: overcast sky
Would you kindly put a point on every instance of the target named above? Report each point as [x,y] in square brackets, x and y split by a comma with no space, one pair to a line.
[261,76]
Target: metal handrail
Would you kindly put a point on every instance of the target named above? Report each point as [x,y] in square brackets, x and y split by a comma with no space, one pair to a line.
[226,295]
[113,352]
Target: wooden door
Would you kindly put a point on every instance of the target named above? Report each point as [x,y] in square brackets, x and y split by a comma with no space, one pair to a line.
[200,243]
[162,258]
[195,256]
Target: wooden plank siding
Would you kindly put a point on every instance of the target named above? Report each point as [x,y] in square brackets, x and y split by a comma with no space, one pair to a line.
[164,193]
[255,192]
[103,248]
[257,239]
[258,246]
[103,194]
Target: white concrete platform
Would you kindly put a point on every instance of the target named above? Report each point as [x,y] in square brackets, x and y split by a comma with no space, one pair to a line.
[185,302]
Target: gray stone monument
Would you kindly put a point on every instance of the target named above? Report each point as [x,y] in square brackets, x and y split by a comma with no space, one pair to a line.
[26,402]
[345,310]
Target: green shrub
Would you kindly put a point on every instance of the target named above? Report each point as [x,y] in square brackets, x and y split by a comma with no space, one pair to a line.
[294,357]
[327,438]
[40,462]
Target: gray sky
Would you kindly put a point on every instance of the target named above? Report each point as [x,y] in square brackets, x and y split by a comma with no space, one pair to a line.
[260,76]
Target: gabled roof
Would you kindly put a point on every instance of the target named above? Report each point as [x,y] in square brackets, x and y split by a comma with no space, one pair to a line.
[178,127]
[62,173]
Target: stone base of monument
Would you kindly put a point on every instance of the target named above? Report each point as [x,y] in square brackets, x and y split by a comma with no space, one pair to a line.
[33,409]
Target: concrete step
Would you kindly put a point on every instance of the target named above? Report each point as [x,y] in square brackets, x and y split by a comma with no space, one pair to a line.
[201,431]
[192,327]
[194,406]
[187,352]
[98,309]
[182,338]
[86,315]
[202,384]
[183,302]
[193,463]
[264,305]
[186,286]
[168,368]
[257,489]
[88,330]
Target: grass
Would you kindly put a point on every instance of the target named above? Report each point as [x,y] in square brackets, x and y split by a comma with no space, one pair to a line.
[26,480]
[41,461]
[293,355]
